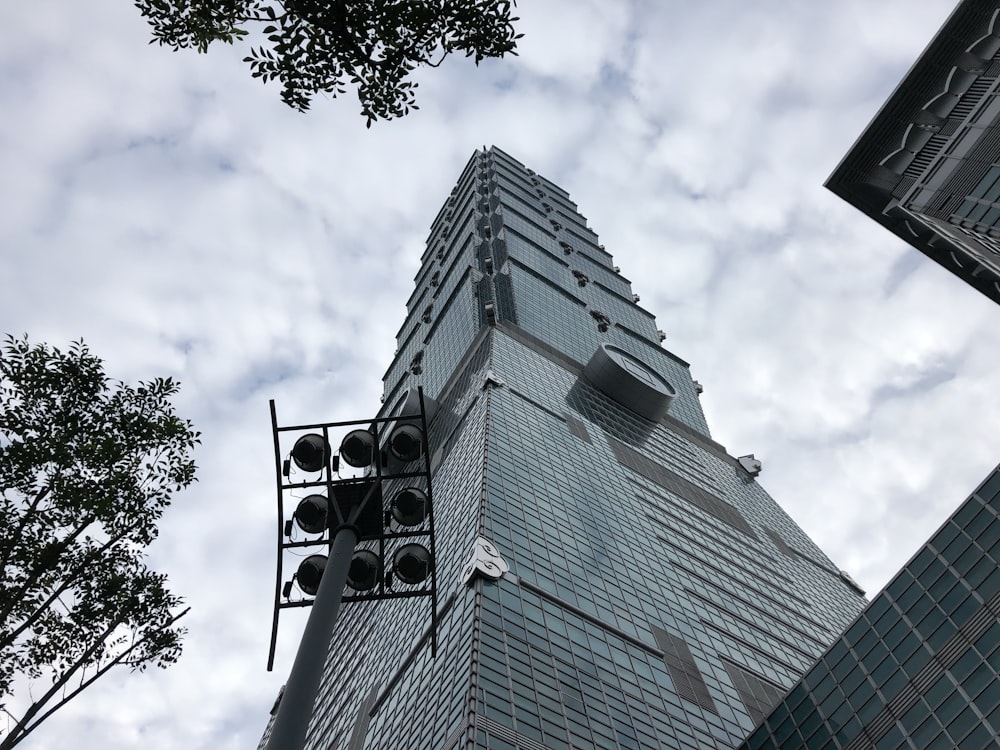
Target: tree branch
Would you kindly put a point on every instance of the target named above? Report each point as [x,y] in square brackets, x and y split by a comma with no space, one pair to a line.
[46,562]
[76,598]
[28,513]
[22,725]
[18,733]
[22,729]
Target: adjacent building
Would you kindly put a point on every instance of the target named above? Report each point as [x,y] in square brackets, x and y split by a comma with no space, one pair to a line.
[920,668]
[927,167]
[608,575]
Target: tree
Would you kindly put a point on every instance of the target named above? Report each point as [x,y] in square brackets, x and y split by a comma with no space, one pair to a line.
[321,46]
[87,466]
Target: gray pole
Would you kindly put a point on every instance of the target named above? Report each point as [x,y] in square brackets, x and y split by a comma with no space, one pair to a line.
[296,706]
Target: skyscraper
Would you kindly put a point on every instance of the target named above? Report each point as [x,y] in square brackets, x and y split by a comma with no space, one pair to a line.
[921,666]
[654,596]
[927,167]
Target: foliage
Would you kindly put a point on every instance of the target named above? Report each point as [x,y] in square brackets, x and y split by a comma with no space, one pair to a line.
[87,466]
[320,46]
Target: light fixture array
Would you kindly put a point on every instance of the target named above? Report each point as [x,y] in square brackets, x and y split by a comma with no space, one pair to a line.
[388,504]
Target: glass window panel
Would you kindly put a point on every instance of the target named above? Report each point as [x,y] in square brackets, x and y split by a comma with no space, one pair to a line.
[914,716]
[979,571]
[980,677]
[962,724]
[992,191]
[989,179]
[989,699]
[899,584]
[978,211]
[934,566]
[950,707]
[940,690]
[966,208]
[893,684]
[916,662]
[991,585]
[924,733]
[891,740]
[991,218]
[965,664]
[941,636]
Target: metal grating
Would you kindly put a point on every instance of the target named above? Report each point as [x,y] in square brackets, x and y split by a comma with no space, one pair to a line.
[680,486]
[683,671]
[926,156]
[950,127]
[577,428]
[520,741]
[780,543]
[971,98]
[903,186]
[758,695]
[947,204]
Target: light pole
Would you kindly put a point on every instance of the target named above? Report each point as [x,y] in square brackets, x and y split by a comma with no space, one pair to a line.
[288,732]
[396,562]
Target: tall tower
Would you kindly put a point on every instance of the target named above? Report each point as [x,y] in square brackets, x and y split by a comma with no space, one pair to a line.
[654,596]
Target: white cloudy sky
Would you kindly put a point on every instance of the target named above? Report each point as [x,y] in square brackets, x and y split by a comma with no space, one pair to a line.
[172,212]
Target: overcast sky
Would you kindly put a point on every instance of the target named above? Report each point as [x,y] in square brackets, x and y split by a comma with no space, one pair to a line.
[172,212]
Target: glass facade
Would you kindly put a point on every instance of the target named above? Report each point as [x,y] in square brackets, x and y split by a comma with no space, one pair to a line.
[657,596]
[919,668]
[982,206]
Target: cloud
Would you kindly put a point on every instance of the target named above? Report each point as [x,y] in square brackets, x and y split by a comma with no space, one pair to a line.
[175,214]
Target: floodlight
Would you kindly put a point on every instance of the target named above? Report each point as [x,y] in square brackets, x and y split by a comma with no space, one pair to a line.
[406,442]
[358,448]
[364,571]
[409,507]
[311,452]
[310,572]
[311,514]
[412,563]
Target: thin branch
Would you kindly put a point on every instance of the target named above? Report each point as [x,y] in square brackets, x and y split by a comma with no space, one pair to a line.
[45,562]
[26,730]
[19,733]
[426,59]
[28,513]
[92,557]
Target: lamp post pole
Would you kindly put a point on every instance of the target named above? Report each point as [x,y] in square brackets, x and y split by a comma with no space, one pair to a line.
[295,708]
[352,509]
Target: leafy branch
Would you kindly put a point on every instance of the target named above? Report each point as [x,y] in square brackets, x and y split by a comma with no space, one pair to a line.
[320,47]
[87,467]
